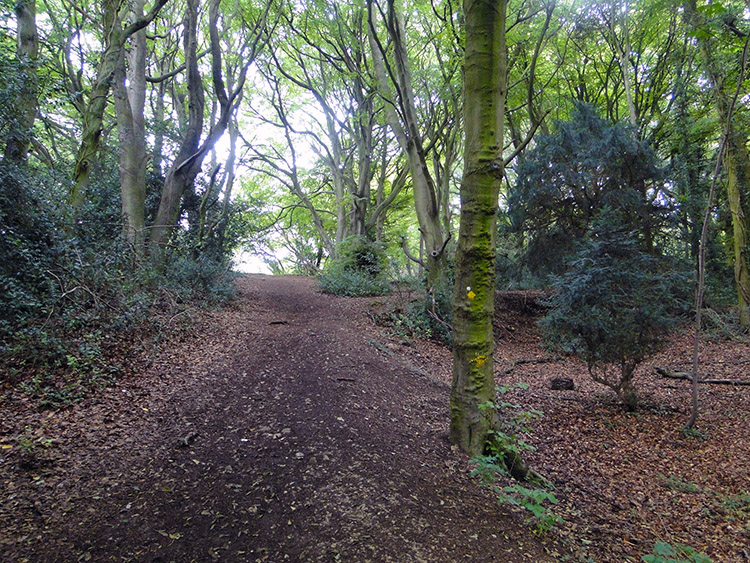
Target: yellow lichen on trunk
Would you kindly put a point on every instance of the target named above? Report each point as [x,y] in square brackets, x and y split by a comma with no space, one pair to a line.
[473,344]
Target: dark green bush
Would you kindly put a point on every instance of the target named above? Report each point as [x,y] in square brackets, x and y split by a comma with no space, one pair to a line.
[28,249]
[614,307]
[563,184]
[359,269]
[74,300]
[433,313]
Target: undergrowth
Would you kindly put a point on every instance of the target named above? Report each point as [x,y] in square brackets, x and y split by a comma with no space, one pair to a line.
[427,314]
[678,553]
[492,467]
[100,306]
[359,269]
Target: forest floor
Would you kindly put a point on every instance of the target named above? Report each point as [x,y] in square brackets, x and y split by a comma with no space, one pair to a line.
[292,427]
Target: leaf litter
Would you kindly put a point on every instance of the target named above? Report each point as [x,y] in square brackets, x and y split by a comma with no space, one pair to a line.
[291,427]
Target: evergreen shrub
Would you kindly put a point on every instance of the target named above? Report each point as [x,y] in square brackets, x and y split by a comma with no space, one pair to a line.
[79,296]
[587,165]
[614,307]
[359,269]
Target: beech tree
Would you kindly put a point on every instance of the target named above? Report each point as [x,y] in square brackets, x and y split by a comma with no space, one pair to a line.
[114,34]
[26,102]
[193,148]
[485,83]
[396,88]
[130,102]
[485,90]
[326,57]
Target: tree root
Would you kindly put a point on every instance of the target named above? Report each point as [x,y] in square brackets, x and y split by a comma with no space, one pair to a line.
[521,471]
[514,464]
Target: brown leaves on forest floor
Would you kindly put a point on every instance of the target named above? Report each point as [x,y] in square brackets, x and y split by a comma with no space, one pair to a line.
[285,429]
[291,427]
[627,480]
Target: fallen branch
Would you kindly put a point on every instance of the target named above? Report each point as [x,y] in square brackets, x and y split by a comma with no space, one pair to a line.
[686,376]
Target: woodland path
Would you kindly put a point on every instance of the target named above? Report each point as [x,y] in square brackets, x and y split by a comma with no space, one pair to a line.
[290,429]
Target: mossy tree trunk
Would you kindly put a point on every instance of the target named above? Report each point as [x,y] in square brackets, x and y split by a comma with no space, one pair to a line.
[115,37]
[27,51]
[736,161]
[474,300]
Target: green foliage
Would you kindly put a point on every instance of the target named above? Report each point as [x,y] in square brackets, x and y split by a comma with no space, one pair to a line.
[507,439]
[359,269]
[432,313]
[489,469]
[614,307]
[737,506]
[512,425]
[32,445]
[29,442]
[676,483]
[428,315]
[534,501]
[695,433]
[73,298]
[677,553]
[571,176]
[28,249]
[511,263]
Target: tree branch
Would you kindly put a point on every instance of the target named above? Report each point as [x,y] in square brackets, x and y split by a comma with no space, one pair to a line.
[409,254]
[688,377]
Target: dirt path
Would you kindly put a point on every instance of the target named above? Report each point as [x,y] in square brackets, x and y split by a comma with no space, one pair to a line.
[288,431]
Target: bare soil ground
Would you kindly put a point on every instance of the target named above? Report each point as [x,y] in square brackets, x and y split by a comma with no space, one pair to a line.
[291,428]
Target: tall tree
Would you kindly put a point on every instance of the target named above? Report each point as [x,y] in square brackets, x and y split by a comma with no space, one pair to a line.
[114,38]
[485,87]
[188,163]
[326,57]
[736,157]
[281,164]
[396,88]
[27,52]
[130,101]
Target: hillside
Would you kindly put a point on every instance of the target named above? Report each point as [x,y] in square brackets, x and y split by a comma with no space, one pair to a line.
[291,426]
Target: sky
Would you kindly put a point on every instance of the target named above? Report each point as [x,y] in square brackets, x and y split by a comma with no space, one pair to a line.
[250,263]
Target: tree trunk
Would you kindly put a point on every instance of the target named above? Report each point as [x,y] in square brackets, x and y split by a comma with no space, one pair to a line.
[737,165]
[27,51]
[485,82]
[738,192]
[189,161]
[230,168]
[426,201]
[626,389]
[129,101]
[184,170]
[93,116]
[623,51]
